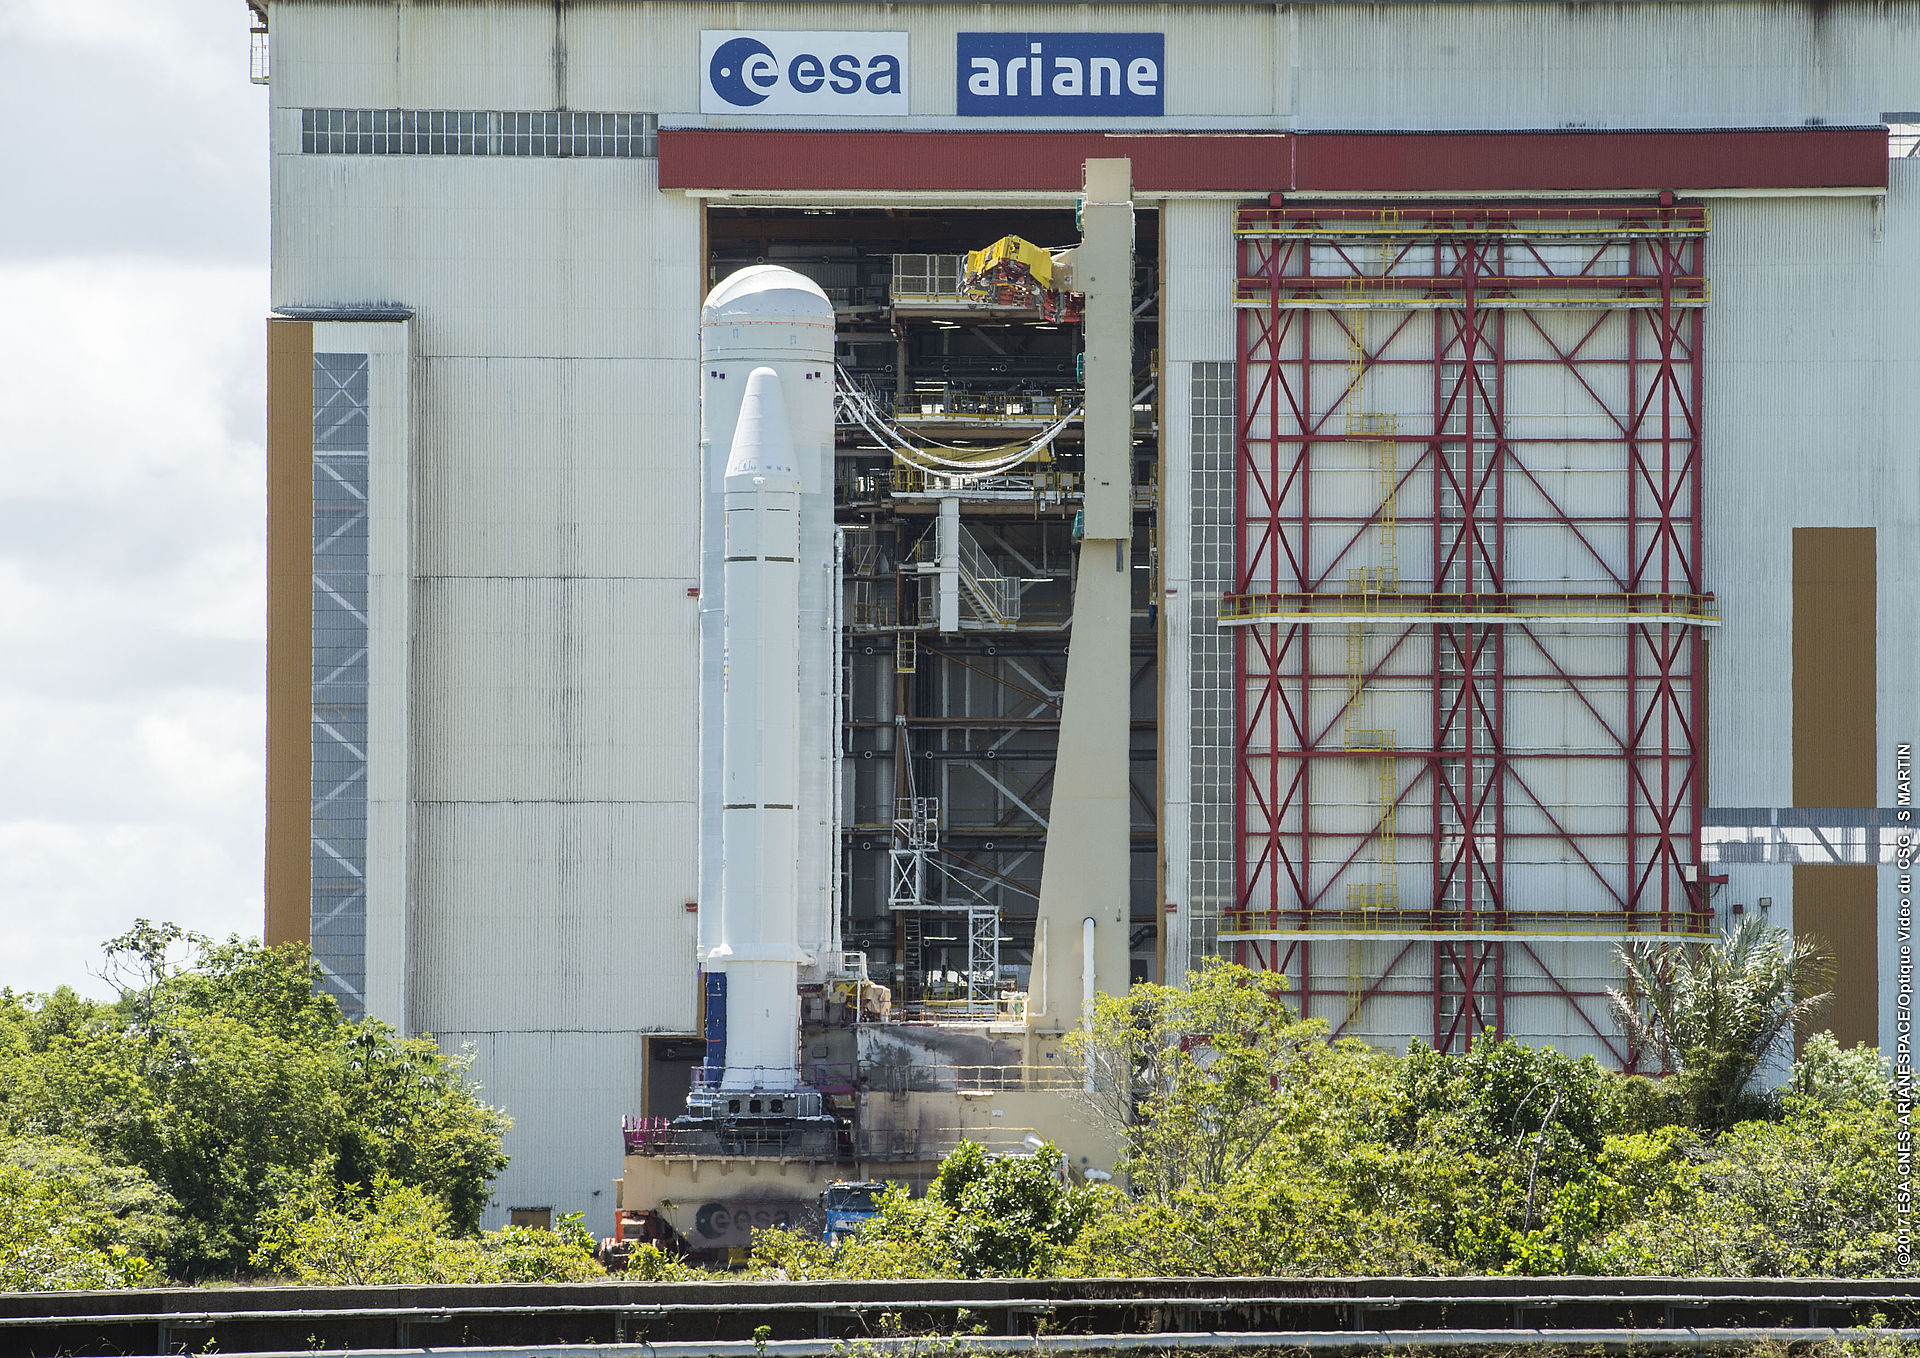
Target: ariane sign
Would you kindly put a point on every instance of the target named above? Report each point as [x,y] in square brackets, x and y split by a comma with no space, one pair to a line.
[787,73]
[1060,75]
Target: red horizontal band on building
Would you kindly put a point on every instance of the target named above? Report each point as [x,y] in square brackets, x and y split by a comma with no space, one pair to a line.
[1597,162]
[981,161]
[1259,163]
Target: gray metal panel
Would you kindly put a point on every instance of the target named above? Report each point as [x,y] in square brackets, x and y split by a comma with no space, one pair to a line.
[1813,394]
[556,468]
[553,915]
[1200,277]
[535,690]
[1799,373]
[567,1092]
[416,56]
[1405,66]
[574,259]
[1444,66]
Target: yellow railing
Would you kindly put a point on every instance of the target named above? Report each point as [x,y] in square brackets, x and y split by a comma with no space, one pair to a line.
[1596,222]
[1373,910]
[1698,609]
[1342,294]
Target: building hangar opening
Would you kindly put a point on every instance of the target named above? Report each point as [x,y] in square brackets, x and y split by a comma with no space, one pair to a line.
[949,718]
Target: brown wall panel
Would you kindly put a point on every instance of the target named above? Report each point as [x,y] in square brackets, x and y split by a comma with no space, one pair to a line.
[1840,905]
[1834,740]
[289,629]
[1835,743]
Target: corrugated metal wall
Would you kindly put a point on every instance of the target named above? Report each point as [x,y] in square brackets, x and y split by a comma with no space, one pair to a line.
[1552,65]
[1329,66]
[554,537]
[1813,400]
[1196,547]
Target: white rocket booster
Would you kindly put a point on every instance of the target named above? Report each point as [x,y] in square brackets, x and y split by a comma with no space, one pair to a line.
[759,876]
[768,316]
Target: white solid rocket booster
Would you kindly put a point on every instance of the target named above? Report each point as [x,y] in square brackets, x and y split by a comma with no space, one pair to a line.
[759,875]
[771,317]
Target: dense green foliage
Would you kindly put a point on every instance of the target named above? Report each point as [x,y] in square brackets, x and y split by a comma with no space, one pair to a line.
[1254,1145]
[219,1117]
[53,1236]
[176,1122]
[401,1233]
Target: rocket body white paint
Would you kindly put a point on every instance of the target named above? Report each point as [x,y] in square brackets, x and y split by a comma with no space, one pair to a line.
[773,318]
[759,877]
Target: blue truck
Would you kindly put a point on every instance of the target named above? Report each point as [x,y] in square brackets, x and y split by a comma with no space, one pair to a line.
[849,1204]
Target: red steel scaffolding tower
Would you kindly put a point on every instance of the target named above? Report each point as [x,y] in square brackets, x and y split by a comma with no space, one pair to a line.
[1469,610]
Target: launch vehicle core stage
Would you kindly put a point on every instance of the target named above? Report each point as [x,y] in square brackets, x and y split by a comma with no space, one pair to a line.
[766,735]
[759,878]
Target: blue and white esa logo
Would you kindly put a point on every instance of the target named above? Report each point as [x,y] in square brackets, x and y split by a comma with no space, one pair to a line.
[1060,75]
[784,73]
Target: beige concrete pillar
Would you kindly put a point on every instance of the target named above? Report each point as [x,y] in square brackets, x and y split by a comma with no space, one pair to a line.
[1086,870]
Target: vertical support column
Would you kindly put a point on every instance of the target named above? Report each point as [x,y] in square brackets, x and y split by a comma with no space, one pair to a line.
[289,628]
[360,582]
[1086,872]
[947,580]
[389,662]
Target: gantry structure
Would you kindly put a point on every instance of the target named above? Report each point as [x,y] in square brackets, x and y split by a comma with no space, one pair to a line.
[1469,608]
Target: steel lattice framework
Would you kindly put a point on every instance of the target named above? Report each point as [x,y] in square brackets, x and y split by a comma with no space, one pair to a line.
[1469,607]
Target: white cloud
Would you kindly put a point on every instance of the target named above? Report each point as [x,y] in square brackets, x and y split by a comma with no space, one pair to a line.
[133,282]
[132,575]
[134,128]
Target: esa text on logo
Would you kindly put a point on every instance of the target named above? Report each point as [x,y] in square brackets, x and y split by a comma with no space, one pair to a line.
[784,73]
[1070,75]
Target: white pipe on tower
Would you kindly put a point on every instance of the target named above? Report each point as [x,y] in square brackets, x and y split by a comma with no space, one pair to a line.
[759,882]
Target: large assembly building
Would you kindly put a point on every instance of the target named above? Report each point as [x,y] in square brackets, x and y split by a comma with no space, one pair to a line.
[1445,518]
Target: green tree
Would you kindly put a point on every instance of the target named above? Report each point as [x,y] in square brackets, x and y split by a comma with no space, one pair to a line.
[227,1077]
[54,1237]
[1715,1012]
[1494,1137]
[1197,1079]
[1834,1075]
[1007,1215]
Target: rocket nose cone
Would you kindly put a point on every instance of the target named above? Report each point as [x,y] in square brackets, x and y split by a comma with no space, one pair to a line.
[762,440]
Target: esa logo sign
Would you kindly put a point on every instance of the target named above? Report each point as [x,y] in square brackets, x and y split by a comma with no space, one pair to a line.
[784,73]
[1061,75]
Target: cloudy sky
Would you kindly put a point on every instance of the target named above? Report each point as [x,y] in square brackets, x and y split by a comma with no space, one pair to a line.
[133,286]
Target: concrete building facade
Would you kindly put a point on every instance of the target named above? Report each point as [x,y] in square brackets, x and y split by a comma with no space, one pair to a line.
[1525,484]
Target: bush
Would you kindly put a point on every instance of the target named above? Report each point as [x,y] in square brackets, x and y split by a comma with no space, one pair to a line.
[55,1237]
[1639,1103]
[1829,1074]
[983,1216]
[128,1206]
[399,1233]
[1808,1195]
